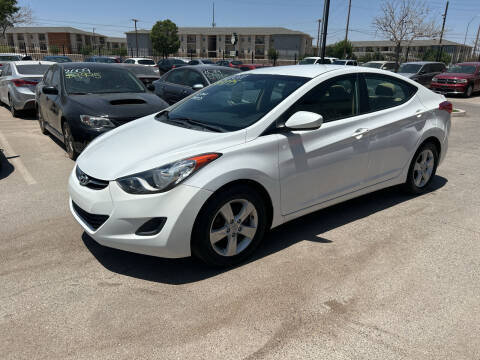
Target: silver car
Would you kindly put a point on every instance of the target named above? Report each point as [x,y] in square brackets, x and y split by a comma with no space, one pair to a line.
[18,80]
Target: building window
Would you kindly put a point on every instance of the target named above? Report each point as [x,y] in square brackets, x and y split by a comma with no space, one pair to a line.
[249,38]
[219,38]
[79,38]
[43,47]
[20,37]
[191,38]
[41,37]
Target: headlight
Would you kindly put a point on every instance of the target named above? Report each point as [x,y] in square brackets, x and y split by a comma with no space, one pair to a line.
[435,79]
[96,122]
[462,81]
[165,177]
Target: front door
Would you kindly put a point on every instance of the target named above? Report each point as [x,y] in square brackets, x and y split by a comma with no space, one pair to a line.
[322,164]
[174,88]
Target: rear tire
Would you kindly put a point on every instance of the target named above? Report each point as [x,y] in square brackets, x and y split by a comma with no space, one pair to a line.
[69,141]
[422,169]
[13,111]
[41,122]
[230,226]
[468,92]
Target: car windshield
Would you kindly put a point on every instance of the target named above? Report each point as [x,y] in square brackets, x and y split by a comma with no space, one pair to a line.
[34,69]
[206,61]
[9,58]
[307,61]
[177,61]
[373,65]
[409,68]
[462,69]
[340,62]
[236,102]
[142,70]
[146,62]
[101,80]
[214,75]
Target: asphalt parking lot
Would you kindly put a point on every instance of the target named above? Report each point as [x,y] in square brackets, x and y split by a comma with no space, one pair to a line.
[385,276]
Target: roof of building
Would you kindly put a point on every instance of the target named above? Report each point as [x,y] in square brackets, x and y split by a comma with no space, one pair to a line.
[231,30]
[414,43]
[48,29]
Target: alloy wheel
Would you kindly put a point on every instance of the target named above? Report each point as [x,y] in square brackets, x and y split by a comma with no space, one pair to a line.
[233,227]
[68,139]
[423,168]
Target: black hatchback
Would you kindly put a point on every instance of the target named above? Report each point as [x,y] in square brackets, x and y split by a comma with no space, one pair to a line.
[76,102]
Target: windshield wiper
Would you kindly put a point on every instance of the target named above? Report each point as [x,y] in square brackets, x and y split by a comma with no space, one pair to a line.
[199,123]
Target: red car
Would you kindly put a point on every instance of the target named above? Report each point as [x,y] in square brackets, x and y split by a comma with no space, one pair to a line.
[246,67]
[463,78]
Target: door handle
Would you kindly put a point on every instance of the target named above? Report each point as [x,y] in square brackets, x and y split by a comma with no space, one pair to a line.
[419,113]
[358,134]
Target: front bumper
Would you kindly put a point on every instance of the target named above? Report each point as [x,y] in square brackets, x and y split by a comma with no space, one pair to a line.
[448,88]
[127,212]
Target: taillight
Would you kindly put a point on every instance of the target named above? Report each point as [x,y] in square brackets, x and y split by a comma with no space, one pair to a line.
[173,66]
[447,106]
[22,82]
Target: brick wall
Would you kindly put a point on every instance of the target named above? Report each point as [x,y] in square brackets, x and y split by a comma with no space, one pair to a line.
[60,40]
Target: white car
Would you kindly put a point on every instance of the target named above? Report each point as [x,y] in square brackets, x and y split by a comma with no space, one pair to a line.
[316,60]
[142,61]
[211,174]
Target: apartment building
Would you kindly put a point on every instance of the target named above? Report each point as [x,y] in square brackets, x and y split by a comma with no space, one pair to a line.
[216,42]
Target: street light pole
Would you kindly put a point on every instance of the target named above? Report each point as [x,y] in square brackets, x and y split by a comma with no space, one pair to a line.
[326,10]
[465,39]
[346,31]
[136,34]
[439,53]
[318,37]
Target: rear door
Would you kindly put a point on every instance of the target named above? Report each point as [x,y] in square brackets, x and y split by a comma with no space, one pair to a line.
[4,79]
[395,116]
[174,88]
[52,102]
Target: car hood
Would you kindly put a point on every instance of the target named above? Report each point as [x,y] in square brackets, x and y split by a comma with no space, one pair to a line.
[408,75]
[148,143]
[124,105]
[454,76]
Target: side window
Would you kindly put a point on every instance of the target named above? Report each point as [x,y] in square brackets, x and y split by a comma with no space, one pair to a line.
[56,78]
[334,99]
[386,92]
[439,68]
[129,61]
[426,69]
[176,77]
[7,71]
[194,78]
[389,66]
[193,62]
[47,78]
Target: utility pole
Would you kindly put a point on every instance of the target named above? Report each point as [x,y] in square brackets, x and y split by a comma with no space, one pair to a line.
[326,11]
[93,41]
[136,34]
[346,31]
[213,21]
[439,54]
[476,43]
[318,37]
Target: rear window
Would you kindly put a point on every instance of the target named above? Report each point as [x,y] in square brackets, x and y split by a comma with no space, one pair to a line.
[409,68]
[386,92]
[177,61]
[206,61]
[10,58]
[215,75]
[373,65]
[307,61]
[146,62]
[461,69]
[339,62]
[32,69]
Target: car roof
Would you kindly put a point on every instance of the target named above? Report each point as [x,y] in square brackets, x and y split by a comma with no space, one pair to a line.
[309,71]
[33,62]
[76,65]
[201,67]
[55,56]
[422,62]
[138,58]
[474,63]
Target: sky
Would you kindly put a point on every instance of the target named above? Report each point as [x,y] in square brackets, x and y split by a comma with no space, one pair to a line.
[113,17]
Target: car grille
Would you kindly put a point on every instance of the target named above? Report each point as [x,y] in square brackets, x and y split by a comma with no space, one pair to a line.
[446,81]
[92,220]
[121,121]
[90,182]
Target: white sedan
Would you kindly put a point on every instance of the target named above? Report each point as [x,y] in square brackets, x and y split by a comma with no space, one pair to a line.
[210,175]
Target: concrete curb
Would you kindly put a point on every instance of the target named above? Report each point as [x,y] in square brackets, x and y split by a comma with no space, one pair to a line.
[458,113]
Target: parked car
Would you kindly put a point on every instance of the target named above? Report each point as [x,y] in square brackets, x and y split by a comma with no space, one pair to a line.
[104,59]
[247,67]
[421,71]
[383,65]
[18,80]
[57,58]
[6,57]
[210,176]
[146,74]
[201,62]
[165,65]
[181,82]
[229,63]
[79,101]
[463,78]
[316,60]
[140,61]
[346,62]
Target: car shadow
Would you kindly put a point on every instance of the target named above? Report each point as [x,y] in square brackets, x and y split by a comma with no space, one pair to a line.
[306,228]
[5,167]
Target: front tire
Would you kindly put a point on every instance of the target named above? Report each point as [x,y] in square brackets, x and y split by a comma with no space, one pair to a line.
[422,169]
[230,226]
[468,92]
[69,141]
[41,122]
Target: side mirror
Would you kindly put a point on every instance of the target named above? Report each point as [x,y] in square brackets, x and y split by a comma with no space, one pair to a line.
[304,120]
[151,87]
[197,87]
[50,90]
[1,72]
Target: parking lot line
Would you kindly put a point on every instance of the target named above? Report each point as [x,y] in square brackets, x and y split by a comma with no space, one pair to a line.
[16,161]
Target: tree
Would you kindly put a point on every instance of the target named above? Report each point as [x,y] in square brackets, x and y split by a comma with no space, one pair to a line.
[336,50]
[54,49]
[431,55]
[403,21]
[273,55]
[164,36]
[11,14]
